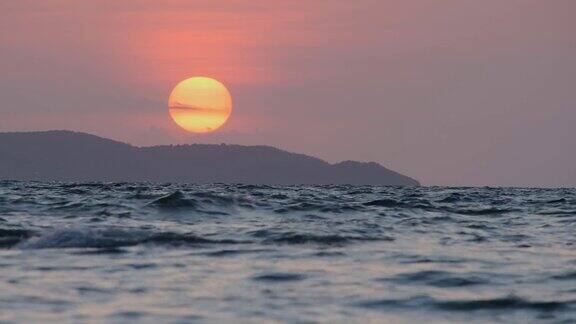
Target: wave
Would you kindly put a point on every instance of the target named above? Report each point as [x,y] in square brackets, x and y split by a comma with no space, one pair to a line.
[10,237]
[569,275]
[507,303]
[174,200]
[385,203]
[320,239]
[201,202]
[504,303]
[442,279]
[113,238]
[439,254]
[482,211]
[278,277]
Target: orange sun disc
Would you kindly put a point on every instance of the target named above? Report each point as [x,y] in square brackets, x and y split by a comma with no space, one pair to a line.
[200,104]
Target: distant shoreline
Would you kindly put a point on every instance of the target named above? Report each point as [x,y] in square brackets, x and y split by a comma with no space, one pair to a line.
[80,157]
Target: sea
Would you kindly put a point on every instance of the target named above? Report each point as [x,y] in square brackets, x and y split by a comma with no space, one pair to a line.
[189,253]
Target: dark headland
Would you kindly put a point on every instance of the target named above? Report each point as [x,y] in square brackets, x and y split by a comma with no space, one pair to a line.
[74,157]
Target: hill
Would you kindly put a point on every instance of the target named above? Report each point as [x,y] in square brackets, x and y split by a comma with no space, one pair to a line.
[76,157]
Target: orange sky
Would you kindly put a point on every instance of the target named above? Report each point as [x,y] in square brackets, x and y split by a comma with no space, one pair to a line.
[448,91]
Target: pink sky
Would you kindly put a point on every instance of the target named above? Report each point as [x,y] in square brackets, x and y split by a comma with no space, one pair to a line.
[452,92]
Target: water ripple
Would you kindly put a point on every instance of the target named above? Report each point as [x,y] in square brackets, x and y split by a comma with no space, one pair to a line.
[120,252]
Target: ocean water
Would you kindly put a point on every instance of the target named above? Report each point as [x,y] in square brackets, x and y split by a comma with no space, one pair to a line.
[241,253]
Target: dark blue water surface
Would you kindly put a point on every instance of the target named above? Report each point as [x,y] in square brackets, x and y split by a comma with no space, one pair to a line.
[243,253]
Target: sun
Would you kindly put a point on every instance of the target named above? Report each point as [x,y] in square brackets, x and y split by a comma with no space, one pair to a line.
[200,104]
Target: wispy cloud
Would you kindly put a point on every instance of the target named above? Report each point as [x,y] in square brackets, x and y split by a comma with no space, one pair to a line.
[192,108]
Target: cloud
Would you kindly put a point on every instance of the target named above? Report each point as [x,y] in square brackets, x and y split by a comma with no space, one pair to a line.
[191,108]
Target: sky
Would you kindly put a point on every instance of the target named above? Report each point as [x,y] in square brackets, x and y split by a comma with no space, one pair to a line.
[451,92]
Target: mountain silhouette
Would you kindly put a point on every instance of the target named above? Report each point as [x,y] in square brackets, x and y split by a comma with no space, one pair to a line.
[76,157]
